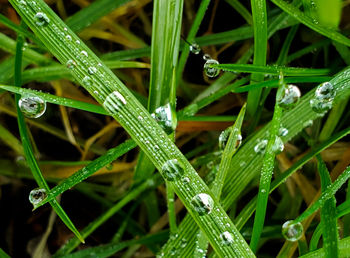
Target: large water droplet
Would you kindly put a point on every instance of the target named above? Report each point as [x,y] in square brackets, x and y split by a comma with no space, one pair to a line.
[41,19]
[226,238]
[278,145]
[290,97]
[195,49]
[292,231]
[32,106]
[37,195]
[166,118]
[202,203]
[324,96]
[260,147]
[114,102]
[172,170]
[211,71]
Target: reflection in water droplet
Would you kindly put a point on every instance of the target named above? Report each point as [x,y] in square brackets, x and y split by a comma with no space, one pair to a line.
[290,97]
[114,102]
[32,106]
[211,71]
[260,147]
[195,49]
[323,100]
[292,231]
[41,19]
[166,118]
[202,203]
[37,195]
[226,238]
[172,170]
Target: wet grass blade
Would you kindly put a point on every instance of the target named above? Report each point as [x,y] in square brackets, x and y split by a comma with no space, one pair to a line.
[328,214]
[344,250]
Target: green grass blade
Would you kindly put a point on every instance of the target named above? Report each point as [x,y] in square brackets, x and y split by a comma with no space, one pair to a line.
[3,254]
[344,250]
[87,171]
[266,172]
[293,11]
[123,106]
[274,70]
[11,141]
[27,147]
[260,50]
[328,214]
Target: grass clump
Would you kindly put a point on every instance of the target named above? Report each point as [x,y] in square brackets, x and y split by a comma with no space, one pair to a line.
[151,141]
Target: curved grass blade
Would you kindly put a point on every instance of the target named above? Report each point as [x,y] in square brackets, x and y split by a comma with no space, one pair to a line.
[344,250]
[274,70]
[328,214]
[102,84]
[293,11]
[27,147]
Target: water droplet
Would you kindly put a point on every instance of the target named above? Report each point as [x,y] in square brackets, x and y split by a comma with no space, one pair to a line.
[283,131]
[211,71]
[290,97]
[278,145]
[114,102]
[260,147]
[71,64]
[166,118]
[195,49]
[37,195]
[223,138]
[41,19]
[206,57]
[69,37]
[77,41]
[202,203]
[87,81]
[183,243]
[292,231]
[186,180]
[84,53]
[32,106]
[324,96]
[320,106]
[308,123]
[172,170]
[92,70]
[109,166]
[226,238]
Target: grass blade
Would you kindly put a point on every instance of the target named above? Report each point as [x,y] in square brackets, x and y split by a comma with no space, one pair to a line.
[344,250]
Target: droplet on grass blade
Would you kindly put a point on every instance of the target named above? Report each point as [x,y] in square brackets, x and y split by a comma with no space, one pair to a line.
[41,19]
[172,170]
[202,203]
[195,49]
[71,64]
[166,118]
[114,102]
[92,70]
[290,97]
[323,99]
[211,72]
[37,195]
[226,238]
[283,131]
[292,231]
[278,145]
[32,106]
[260,147]
[223,138]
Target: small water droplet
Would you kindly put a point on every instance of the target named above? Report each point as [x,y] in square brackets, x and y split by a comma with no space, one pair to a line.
[87,81]
[260,147]
[41,19]
[183,243]
[211,71]
[226,238]
[172,170]
[71,64]
[84,53]
[292,231]
[77,41]
[290,97]
[195,49]
[69,37]
[166,118]
[278,145]
[186,180]
[32,106]
[114,102]
[37,195]
[308,123]
[206,57]
[283,132]
[202,203]
[92,70]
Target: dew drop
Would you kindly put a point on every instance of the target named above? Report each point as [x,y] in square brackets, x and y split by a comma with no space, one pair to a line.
[325,91]
[320,106]
[109,166]
[71,64]
[260,147]
[32,106]
[37,195]
[292,231]
[283,132]
[206,57]
[224,136]
[84,53]
[186,180]
[69,37]
[87,81]
[202,203]
[114,102]
[290,97]
[278,145]
[226,238]
[211,71]
[172,169]
[195,49]
[41,19]
[166,118]
[92,70]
